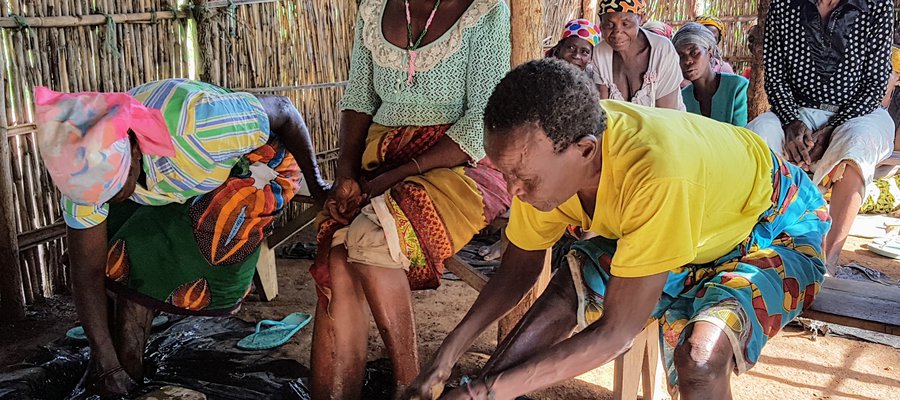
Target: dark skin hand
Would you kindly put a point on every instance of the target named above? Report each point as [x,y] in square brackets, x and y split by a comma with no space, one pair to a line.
[798,140]
[821,140]
[628,304]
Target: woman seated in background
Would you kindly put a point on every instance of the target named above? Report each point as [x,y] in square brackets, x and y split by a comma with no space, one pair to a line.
[717,95]
[576,45]
[632,64]
[167,192]
[660,28]
[717,28]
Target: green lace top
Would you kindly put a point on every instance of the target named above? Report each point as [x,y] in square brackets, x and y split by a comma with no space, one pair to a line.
[455,74]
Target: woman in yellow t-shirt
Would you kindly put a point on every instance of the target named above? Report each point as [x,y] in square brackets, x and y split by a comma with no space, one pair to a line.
[700,226]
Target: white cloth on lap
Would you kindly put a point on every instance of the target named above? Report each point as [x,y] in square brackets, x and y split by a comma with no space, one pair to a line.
[866,140]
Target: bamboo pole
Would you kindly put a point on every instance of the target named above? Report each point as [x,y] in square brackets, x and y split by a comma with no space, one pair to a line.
[758,102]
[12,296]
[589,10]
[90,20]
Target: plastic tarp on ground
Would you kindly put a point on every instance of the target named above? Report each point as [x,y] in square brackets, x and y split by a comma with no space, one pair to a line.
[197,353]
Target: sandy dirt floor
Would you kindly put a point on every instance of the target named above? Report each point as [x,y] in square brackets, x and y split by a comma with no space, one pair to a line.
[792,365]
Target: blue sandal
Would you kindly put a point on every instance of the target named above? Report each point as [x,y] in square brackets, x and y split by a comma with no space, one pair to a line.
[279,333]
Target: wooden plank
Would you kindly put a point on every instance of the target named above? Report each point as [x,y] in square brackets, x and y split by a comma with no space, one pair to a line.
[93,19]
[293,88]
[282,234]
[42,235]
[653,374]
[627,369]
[863,305]
[464,271]
[266,278]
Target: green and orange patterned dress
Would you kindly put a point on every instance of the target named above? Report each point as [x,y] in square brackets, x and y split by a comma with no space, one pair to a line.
[188,240]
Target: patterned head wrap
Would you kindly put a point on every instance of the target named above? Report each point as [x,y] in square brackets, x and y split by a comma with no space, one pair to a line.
[659,28]
[584,29]
[83,138]
[695,33]
[708,20]
[638,7]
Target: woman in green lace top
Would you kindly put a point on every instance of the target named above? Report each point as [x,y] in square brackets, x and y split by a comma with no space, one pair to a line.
[412,184]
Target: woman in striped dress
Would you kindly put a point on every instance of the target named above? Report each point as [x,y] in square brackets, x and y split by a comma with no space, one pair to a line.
[167,191]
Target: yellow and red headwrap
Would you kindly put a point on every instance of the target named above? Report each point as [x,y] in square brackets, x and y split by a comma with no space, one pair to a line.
[638,7]
[708,20]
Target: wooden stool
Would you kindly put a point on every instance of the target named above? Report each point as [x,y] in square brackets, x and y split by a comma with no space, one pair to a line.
[266,278]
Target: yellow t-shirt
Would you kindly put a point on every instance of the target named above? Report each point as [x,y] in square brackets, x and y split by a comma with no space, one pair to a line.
[675,189]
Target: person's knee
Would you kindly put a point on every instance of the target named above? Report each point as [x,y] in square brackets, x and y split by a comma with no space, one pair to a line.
[768,127]
[703,358]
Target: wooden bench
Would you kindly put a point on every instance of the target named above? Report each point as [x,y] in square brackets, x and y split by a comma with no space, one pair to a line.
[266,278]
[864,305]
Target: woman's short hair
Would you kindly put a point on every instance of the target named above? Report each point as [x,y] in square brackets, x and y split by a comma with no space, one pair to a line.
[551,93]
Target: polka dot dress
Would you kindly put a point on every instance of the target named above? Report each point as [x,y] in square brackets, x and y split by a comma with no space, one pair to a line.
[842,65]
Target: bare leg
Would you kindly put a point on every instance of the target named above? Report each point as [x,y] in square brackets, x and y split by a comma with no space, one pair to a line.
[130,333]
[704,363]
[845,203]
[549,321]
[390,300]
[339,339]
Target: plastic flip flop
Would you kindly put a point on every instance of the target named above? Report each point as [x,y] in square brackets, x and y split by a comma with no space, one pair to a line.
[77,333]
[279,333]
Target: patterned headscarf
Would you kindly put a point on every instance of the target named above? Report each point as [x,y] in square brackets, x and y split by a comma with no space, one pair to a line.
[584,29]
[638,7]
[695,33]
[659,28]
[709,20]
[83,138]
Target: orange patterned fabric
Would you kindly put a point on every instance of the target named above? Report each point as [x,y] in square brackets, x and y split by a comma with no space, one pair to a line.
[232,220]
[638,7]
[444,207]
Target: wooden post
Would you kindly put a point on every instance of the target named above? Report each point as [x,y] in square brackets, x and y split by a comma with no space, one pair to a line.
[525,34]
[589,10]
[758,101]
[12,298]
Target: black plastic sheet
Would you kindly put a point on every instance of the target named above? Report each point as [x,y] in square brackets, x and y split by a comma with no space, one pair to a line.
[196,353]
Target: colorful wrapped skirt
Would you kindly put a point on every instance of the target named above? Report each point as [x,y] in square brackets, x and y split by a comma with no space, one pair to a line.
[199,258]
[419,222]
[751,292]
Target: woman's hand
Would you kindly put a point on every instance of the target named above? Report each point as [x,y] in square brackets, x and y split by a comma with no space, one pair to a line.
[382,183]
[344,201]
[116,384]
[430,383]
[798,140]
[822,139]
